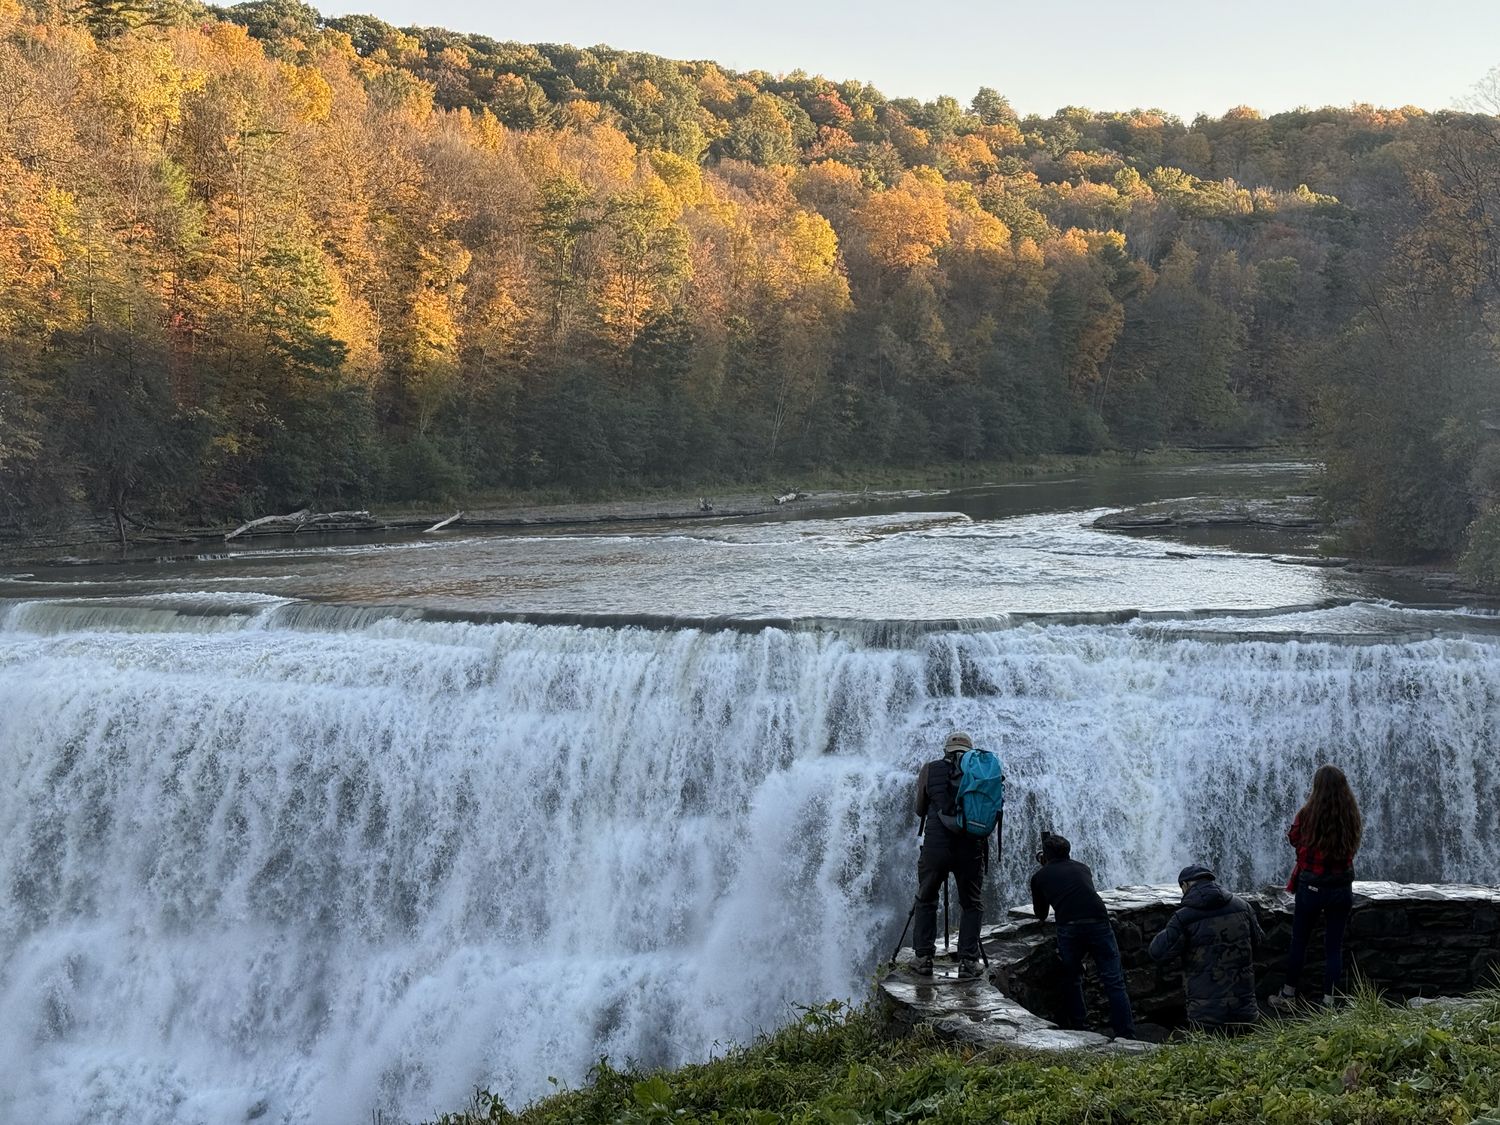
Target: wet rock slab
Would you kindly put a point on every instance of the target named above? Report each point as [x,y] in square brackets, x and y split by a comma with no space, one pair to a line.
[1409,940]
[978,1013]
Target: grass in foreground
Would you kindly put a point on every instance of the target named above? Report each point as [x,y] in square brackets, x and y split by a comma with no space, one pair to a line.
[1370,1064]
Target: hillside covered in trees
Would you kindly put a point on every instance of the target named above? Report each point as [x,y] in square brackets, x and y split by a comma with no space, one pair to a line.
[252,258]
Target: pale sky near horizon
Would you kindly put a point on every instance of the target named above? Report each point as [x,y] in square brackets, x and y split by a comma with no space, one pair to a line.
[1172,54]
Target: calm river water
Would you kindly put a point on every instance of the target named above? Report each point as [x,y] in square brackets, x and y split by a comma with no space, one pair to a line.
[983,552]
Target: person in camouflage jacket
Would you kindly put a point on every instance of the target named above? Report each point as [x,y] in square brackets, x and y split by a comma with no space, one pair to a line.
[1215,934]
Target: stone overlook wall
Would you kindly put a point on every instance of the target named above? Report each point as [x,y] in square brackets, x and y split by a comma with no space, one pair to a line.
[1407,940]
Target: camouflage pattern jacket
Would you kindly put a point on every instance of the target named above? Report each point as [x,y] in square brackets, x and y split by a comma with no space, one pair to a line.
[1215,934]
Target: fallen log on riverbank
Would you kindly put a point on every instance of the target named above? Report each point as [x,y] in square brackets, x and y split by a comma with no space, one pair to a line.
[302,519]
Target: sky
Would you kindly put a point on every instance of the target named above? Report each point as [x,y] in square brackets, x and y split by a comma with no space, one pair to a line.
[1175,55]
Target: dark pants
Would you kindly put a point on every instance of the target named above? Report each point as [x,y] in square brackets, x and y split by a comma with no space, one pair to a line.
[1334,904]
[1096,939]
[933,869]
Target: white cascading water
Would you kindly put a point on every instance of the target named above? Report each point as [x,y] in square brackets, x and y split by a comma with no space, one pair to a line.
[260,866]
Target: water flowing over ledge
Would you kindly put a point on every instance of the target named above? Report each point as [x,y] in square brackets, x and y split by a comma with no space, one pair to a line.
[322,860]
[1336,621]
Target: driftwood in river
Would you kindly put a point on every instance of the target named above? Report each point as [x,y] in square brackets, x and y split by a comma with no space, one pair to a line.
[294,522]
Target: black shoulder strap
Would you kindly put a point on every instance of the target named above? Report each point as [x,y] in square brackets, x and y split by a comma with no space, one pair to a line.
[955,778]
[947,809]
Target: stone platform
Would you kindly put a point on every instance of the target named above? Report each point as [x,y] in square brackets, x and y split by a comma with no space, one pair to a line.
[1406,939]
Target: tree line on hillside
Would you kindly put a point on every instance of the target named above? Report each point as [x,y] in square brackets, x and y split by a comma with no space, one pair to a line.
[252,258]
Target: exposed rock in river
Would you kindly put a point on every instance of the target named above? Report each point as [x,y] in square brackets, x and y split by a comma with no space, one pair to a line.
[1210,511]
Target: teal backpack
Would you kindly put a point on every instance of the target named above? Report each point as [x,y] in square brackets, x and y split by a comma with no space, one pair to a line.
[980,796]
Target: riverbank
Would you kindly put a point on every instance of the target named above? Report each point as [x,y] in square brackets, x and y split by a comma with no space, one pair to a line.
[1255,503]
[81,535]
[821,488]
[1371,1062]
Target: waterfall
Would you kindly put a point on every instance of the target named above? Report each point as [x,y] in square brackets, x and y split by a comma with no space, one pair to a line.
[296,866]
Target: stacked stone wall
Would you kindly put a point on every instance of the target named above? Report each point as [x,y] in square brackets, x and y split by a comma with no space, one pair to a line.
[1407,940]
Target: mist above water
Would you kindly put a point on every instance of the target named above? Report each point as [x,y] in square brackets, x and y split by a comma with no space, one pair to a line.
[311,867]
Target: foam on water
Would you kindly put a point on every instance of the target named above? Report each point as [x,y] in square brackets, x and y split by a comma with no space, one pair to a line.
[308,867]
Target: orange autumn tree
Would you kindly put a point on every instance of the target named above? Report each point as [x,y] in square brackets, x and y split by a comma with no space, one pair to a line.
[256,257]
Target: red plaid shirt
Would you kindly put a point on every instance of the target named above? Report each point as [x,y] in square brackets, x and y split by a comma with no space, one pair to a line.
[1310,859]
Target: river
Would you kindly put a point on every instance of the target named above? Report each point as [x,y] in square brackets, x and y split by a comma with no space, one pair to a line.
[301,831]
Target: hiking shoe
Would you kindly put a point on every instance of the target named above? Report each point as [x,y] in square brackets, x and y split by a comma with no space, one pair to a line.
[969,970]
[922,966]
[1284,1002]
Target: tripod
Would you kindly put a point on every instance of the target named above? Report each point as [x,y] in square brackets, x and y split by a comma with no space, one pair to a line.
[916,902]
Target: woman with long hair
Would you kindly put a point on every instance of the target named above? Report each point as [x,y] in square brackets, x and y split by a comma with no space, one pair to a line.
[1326,833]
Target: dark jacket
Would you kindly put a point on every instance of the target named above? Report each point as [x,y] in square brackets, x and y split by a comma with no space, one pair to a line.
[1066,886]
[936,795]
[1215,934]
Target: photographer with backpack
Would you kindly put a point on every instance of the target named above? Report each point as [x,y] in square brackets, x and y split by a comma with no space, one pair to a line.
[958,801]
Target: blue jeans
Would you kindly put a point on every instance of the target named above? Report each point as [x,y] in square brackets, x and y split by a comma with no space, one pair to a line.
[1096,939]
[1334,903]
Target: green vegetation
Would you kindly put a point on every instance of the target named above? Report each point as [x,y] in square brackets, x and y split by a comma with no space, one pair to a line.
[253,258]
[1371,1064]
[1409,409]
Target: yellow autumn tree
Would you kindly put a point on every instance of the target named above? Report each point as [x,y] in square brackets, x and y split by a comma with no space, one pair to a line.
[904,226]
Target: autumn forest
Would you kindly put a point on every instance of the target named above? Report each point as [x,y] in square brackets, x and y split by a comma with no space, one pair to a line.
[252,258]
